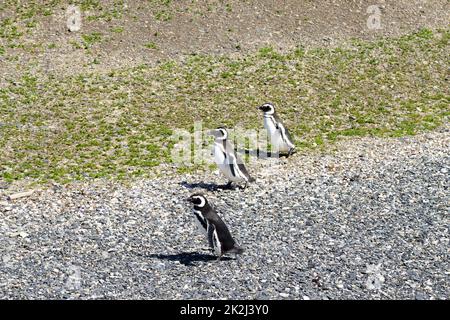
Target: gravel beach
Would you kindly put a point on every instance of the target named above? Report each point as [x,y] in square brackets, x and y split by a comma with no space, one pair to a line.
[366,221]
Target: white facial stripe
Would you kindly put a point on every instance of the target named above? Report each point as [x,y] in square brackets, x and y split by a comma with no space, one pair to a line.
[202,203]
[272,109]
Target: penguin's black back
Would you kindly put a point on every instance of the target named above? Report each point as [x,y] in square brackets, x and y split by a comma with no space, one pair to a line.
[226,240]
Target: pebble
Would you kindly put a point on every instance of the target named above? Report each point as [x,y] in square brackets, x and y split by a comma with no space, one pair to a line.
[335,235]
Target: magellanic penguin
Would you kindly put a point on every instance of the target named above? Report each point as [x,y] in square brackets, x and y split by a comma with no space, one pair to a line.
[279,135]
[229,163]
[219,237]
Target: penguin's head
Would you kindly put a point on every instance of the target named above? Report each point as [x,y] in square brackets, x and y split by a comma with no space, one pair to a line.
[267,108]
[198,200]
[219,133]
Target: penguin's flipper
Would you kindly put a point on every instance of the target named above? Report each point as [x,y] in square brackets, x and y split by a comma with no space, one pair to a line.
[244,171]
[276,121]
[286,135]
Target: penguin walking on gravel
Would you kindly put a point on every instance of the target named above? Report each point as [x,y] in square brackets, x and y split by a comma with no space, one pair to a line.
[219,237]
[279,135]
[229,163]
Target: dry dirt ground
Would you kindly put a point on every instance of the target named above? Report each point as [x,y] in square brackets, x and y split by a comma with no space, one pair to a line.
[129,33]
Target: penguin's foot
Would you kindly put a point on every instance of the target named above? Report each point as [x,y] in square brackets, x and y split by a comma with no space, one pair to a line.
[244,186]
[291,152]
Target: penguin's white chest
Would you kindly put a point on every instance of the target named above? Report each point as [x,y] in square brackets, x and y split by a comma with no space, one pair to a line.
[270,127]
[223,162]
[276,138]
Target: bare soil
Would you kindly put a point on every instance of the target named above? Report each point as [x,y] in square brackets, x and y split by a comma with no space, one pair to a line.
[147,32]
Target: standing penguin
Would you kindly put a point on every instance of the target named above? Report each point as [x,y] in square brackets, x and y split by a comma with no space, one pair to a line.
[279,135]
[227,160]
[219,237]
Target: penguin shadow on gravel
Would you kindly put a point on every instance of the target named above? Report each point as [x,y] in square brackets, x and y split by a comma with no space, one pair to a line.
[189,258]
[259,154]
[207,186]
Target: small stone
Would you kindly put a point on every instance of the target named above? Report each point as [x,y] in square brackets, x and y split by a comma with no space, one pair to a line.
[6,258]
[421,296]
[23,234]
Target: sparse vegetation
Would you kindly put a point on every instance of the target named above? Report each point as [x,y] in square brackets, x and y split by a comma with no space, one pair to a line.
[163,15]
[117,29]
[108,13]
[119,124]
[151,45]
[89,5]
[90,39]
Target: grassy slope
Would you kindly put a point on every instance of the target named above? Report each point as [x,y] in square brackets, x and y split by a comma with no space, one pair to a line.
[119,124]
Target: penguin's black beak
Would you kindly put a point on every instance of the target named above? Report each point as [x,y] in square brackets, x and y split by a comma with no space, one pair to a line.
[261,108]
[188,199]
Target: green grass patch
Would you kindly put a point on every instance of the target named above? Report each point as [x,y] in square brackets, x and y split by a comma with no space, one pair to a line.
[119,124]
[151,45]
[117,29]
[163,15]
[90,39]
[22,18]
